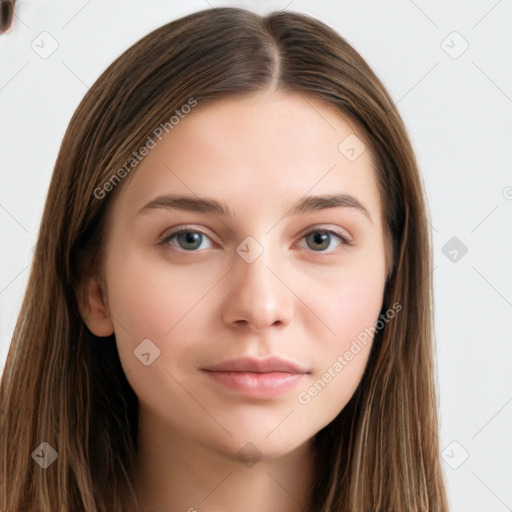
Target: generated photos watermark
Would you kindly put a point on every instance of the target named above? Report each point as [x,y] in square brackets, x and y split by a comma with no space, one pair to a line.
[361,340]
[151,142]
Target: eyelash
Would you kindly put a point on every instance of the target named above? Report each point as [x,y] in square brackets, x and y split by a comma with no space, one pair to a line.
[170,236]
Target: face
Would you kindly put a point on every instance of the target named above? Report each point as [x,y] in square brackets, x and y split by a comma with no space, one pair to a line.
[201,299]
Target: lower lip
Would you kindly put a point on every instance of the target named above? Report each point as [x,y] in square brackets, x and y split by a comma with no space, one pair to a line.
[258,385]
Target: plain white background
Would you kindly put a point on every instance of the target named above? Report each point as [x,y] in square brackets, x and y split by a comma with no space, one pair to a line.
[447,67]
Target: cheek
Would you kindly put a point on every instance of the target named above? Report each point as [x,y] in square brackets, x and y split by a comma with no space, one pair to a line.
[347,299]
[150,298]
[353,306]
[171,307]
[350,307]
[152,301]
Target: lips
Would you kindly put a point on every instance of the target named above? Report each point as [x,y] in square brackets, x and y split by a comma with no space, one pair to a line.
[253,365]
[257,378]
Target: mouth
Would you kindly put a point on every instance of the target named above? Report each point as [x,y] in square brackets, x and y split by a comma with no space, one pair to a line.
[258,378]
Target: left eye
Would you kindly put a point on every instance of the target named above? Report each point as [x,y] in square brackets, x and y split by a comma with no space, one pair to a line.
[189,239]
[322,239]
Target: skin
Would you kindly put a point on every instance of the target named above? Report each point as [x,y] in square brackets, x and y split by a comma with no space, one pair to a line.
[301,299]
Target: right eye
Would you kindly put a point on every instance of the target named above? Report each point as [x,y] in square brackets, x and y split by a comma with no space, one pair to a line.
[185,239]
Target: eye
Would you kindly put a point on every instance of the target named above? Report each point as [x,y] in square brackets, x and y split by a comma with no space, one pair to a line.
[320,239]
[185,239]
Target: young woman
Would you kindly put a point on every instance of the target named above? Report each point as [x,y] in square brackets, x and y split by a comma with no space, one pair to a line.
[229,306]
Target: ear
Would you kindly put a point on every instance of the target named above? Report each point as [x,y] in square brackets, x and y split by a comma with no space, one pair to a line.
[93,308]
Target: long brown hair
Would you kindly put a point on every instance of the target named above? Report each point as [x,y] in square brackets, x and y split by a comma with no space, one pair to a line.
[64,386]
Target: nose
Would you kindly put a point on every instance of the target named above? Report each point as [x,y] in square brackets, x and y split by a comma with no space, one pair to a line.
[257,297]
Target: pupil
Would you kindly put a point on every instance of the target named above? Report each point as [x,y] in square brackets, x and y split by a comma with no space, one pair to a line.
[190,238]
[321,238]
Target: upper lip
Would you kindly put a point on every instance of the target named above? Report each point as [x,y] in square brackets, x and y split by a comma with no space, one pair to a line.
[255,365]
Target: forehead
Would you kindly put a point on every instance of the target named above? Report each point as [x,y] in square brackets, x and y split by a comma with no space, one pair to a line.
[259,150]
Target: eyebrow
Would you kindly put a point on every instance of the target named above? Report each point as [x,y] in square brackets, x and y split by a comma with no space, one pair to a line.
[190,203]
[314,203]
[304,205]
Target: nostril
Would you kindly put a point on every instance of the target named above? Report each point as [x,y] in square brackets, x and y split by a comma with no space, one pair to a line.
[254,327]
